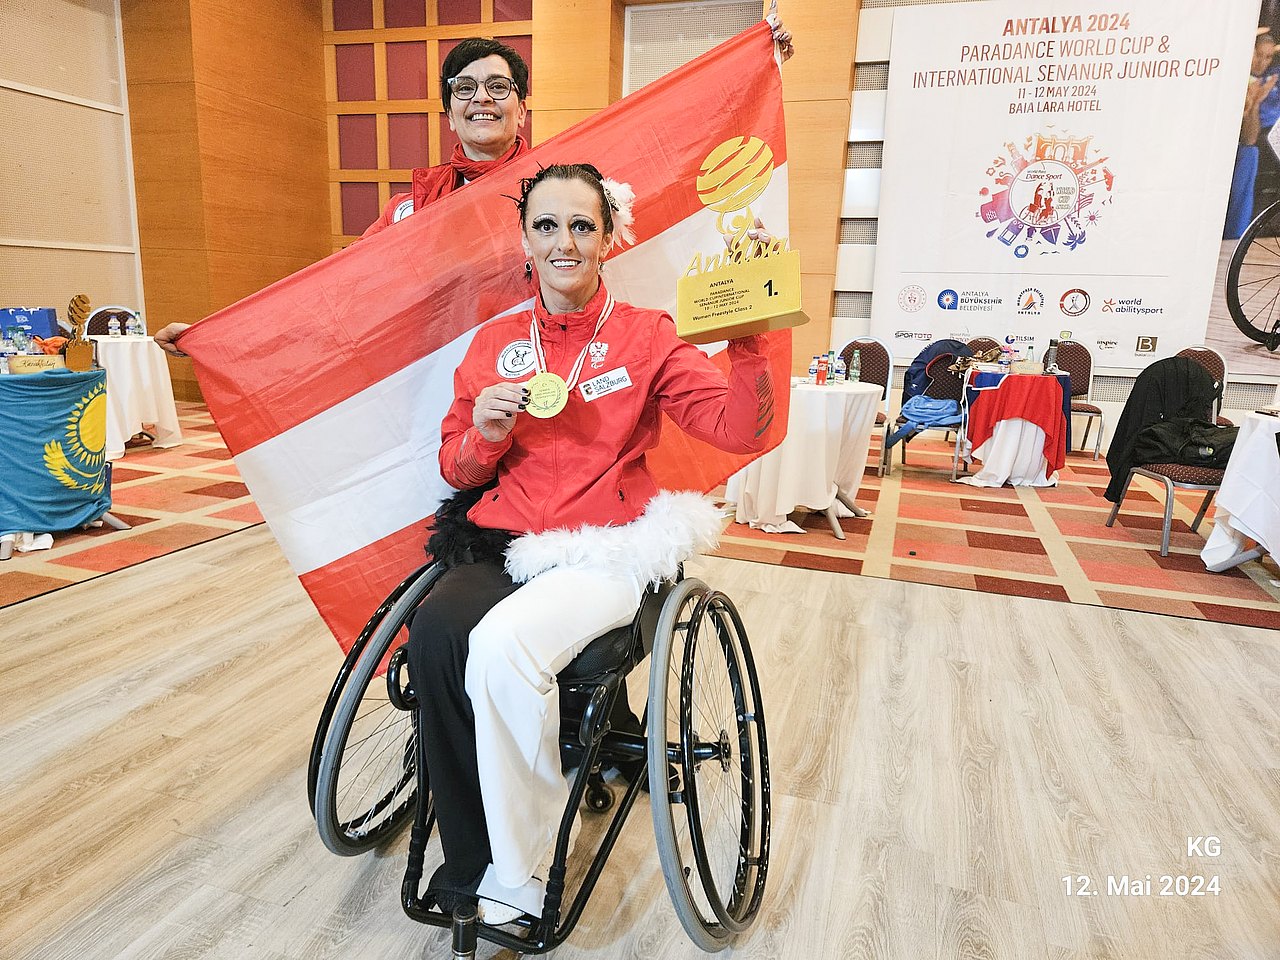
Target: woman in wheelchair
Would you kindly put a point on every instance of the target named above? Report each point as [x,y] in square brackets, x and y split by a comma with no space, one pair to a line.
[554,411]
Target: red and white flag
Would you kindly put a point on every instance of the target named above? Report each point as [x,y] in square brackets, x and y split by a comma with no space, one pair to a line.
[329,386]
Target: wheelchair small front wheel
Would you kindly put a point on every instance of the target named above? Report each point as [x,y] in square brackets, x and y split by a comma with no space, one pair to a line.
[366,783]
[706,718]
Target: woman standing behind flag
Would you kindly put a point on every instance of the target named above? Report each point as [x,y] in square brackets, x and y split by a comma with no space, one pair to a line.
[554,411]
[483,85]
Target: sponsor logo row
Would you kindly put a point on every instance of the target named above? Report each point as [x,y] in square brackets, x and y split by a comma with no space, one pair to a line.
[1142,345]
[1030,302]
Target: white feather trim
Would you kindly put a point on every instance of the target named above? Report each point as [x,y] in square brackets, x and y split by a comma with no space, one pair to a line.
[673,528]
[622,200]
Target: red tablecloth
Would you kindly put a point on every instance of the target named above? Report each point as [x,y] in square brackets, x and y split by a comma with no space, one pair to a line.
[1031,397]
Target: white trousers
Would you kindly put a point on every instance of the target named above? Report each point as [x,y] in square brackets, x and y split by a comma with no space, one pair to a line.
[515,653]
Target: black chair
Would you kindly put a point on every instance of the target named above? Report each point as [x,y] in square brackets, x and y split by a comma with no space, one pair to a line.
[366,777]
[1172,387]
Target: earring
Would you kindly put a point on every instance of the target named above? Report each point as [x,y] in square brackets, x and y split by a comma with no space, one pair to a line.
[528,271]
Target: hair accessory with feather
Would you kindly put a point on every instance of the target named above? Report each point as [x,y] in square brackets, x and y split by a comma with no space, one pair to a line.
[621,199]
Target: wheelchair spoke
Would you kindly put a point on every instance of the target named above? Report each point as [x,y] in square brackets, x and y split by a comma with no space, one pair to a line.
[370,783]
[383,725]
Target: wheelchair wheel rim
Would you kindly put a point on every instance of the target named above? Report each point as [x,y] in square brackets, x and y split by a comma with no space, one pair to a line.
[377,778]
[1253,280]
[675,823]
[724,795]
[367,778]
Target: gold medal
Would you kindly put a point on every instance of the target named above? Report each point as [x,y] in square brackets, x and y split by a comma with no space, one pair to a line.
[548,395]
[548,392]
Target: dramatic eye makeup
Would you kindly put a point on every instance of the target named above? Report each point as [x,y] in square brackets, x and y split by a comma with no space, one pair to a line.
[583,225]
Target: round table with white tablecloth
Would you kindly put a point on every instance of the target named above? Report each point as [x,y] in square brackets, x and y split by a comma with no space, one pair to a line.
[139,392]
[819,463]
[1248,502]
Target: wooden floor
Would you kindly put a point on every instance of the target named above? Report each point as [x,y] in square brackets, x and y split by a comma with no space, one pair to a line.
[942,759]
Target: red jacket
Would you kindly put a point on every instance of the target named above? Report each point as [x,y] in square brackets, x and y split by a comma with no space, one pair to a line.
[587,464]
[432,183]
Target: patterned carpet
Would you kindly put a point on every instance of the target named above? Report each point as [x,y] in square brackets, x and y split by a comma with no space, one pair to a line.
[171,499]
[1049,543]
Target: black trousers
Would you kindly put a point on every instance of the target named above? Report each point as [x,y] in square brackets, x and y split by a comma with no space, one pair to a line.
[438,644]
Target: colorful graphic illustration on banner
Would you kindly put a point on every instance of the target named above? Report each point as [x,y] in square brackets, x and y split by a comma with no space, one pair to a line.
[1046,193]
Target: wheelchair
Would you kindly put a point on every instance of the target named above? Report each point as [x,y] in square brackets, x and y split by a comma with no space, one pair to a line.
[703,755]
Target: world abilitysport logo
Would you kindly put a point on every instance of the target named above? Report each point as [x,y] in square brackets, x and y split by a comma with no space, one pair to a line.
[1045,196]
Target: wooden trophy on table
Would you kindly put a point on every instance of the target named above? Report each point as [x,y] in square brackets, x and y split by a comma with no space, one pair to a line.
[79,350]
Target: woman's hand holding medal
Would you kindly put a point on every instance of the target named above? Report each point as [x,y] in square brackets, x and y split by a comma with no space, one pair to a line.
[495,409]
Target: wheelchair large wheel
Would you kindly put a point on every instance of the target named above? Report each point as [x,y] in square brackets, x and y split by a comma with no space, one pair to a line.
[1253,280]
[366,784]
[706,719]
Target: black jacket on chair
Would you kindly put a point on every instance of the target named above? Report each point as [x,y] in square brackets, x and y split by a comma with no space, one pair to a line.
[1173,387]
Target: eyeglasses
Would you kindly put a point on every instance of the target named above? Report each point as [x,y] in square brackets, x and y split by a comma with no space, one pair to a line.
[464,88]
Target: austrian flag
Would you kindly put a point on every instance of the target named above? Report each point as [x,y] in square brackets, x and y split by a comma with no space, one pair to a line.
[329,386]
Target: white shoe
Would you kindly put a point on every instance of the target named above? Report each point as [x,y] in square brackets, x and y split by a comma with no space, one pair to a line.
[499,904]
[495,914]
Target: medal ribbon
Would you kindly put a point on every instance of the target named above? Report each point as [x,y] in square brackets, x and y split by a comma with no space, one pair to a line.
[540,359]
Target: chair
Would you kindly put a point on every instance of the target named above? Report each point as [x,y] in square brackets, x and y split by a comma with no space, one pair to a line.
[943,385]
[1174,476]
[99,322]
[1216,364]
[1164,389]
[366,777]
[1075,360]
[876,367]
[981,345]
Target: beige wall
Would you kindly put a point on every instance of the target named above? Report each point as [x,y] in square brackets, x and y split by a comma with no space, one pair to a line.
[577,46]
[229,147]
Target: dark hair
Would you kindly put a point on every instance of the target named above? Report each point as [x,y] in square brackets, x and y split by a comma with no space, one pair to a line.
[583,172]
[477,48]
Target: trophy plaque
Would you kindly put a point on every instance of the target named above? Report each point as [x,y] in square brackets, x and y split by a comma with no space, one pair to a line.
[744,296]
[79,351]
[26,363]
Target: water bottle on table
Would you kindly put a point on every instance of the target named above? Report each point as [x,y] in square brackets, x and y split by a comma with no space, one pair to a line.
[113,327]
[842,372]
[813,369]
[855,365]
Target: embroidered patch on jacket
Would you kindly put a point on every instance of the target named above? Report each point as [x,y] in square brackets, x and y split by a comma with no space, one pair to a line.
[516,359]
[598,350]
[403,209]
[606,383]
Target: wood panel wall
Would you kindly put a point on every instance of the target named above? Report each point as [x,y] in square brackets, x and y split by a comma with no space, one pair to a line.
[229,147]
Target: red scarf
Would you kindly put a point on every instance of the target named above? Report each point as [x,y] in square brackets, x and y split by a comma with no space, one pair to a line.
[432,183]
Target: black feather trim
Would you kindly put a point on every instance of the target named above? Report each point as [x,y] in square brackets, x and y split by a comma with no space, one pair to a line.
[456,540]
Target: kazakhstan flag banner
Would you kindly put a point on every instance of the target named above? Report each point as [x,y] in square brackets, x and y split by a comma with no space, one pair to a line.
[53,437]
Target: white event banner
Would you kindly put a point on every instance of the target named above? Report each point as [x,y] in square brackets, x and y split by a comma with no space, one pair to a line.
[1058,167]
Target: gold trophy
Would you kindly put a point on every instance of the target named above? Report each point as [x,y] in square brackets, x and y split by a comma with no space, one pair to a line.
[750,287]
[79,350]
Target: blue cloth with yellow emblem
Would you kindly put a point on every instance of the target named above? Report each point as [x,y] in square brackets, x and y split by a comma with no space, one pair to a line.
[54,473]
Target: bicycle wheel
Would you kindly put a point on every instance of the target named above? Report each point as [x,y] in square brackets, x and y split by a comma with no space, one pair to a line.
[1253,280]
[366,779]
[706,717]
